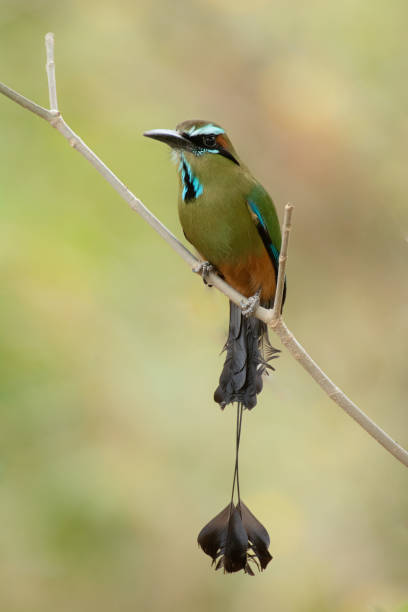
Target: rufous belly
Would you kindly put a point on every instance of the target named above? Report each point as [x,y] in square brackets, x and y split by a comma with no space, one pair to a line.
[250,274]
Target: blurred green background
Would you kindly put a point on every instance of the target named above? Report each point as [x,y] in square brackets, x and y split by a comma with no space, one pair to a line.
[112,452]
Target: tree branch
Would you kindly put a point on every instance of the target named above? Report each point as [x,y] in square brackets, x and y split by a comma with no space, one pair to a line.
[50,67]
[337,395]
[272,317]
[26,103]
[283,256]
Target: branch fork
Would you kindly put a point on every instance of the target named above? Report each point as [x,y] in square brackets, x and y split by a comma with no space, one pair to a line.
[271,317]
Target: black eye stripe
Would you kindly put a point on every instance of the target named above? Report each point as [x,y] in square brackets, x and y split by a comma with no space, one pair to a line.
[198,141]
[204,141]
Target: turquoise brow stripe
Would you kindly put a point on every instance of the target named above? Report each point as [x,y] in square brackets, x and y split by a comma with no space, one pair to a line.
[205,129]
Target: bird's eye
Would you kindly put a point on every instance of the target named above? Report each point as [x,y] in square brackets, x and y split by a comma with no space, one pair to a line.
[209,141]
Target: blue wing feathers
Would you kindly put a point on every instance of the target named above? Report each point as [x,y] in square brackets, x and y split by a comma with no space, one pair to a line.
[271,249]
[266,238]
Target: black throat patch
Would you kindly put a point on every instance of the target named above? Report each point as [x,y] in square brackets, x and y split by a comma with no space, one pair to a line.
[192,188]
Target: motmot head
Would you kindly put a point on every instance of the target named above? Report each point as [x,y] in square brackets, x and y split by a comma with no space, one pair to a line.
[201,149]
[202,139]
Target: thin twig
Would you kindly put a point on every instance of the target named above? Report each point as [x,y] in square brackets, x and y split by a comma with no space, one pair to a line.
[44,113]
[283,256]
[268,316]
[337,395]
[50,67]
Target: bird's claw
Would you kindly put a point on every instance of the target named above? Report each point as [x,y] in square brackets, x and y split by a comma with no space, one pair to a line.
[204,268]
[249,305]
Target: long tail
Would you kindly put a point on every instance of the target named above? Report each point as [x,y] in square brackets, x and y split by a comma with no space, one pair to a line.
[248,352]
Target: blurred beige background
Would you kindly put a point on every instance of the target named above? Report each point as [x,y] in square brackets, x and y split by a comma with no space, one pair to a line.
[112,452]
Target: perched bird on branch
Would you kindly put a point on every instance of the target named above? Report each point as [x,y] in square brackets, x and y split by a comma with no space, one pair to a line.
[232,222]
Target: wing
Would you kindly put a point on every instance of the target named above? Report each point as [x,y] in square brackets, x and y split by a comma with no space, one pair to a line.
[263,214]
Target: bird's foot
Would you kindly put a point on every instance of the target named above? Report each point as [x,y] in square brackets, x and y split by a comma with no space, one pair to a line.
[249,305]
[204,268]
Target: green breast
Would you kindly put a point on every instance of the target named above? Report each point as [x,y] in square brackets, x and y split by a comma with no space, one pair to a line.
[218,222]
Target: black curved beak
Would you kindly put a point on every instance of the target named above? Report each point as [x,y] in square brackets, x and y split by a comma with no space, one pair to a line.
[174,139]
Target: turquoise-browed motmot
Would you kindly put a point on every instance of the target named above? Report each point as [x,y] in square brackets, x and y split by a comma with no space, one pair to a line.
[231,220]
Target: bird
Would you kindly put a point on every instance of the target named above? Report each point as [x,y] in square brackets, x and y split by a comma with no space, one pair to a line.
[231,220]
